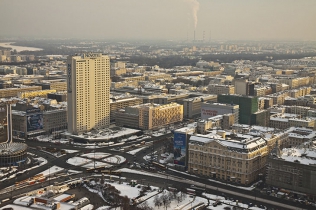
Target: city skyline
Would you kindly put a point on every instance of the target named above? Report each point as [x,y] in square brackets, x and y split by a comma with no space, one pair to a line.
[160,20]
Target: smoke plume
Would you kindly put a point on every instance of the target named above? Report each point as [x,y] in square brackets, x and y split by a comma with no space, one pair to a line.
[195,6]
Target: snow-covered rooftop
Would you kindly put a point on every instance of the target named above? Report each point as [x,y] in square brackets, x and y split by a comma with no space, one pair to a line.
[305,156]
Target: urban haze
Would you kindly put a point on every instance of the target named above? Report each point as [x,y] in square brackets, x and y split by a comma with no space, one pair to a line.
[160,19]
[157,104]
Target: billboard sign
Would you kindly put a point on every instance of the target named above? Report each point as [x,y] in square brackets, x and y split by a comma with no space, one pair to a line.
[207,113]
[34,122]
[179,148]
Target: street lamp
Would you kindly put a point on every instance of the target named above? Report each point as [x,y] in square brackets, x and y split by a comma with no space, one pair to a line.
[12,189]
[108,137]
[48,175]
[95,144]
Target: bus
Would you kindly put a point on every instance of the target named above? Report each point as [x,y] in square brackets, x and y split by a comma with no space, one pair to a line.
[95,170]
[81,202]
[118,173]
[160,166]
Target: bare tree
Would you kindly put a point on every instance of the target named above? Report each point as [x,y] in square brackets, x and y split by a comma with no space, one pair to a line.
[166,200]
[125,203]
[183,195]
[179,197]
[144,206]
[157,201]
[171,195]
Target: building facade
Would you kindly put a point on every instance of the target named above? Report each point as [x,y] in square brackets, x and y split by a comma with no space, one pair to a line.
[150,116]
[230,157]
[212,109]
[88,92]
[293,169]
[121,103]
[221,89]
[248,105]
[192,106]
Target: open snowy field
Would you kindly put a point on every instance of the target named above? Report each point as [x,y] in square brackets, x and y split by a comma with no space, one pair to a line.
[96,155]
[97,164]
[78,161]
[117,159]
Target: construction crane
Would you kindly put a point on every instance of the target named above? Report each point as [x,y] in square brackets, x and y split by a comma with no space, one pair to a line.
[8,103]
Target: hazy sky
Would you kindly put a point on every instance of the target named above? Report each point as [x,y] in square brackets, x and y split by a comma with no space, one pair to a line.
[159,19]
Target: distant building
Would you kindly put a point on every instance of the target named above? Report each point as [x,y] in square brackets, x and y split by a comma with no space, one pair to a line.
[261,118]
[298,136]
[192,106]
[149,116]
[212,109]
[221,89]
[13,92]
[294,169]
[248,105]
[120,103]
[286,121]
[244,87]
[58,86]
[165,98]
[220,121]
[58,96]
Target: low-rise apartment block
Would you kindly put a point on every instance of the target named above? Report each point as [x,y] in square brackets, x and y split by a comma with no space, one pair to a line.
[150,116]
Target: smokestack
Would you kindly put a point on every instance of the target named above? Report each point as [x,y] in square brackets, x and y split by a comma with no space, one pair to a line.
[203,36]
[194,36]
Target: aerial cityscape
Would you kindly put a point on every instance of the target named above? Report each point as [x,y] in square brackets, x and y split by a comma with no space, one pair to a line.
[157,104]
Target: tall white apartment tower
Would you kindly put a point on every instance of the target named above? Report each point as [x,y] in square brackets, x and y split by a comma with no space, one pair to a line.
[88,92]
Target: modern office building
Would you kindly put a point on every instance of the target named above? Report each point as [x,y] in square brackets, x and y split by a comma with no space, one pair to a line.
[88,92]
[248,105]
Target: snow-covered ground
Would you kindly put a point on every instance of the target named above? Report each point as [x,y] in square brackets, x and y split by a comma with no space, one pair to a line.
[52,170]
[78,161]
[133,152]
[108,134]
[166,158]
[96,164]
[104,208]
[117,159]
[126,190]
[93,147]
[69,151]
[96,155]
[211,180]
